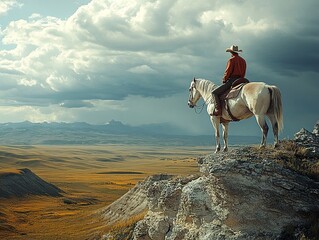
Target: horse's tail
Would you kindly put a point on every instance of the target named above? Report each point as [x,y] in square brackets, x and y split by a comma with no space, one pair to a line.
[275,107]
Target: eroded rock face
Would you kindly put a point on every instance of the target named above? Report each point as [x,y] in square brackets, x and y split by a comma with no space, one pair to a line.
[185,208]
[132,203]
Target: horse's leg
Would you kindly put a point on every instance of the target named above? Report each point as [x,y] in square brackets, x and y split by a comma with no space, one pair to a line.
[215,122]
[274,129]
[225,136]
[264,128]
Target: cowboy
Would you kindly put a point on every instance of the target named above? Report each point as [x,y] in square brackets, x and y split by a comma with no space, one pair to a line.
[235,68]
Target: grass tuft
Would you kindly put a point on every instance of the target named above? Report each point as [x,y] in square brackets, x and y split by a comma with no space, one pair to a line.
[297,158]
[124,229]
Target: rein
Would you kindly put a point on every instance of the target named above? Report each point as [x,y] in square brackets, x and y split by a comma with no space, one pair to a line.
[202,107]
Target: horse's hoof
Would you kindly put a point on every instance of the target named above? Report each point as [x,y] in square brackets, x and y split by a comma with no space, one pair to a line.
[276,145]
[217,150]
[262,146]
[225,149]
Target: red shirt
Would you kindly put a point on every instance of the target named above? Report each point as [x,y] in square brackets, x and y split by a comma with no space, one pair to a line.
[236,67]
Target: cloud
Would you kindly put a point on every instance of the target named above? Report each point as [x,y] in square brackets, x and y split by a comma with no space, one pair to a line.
[142,69]
[111,51]
[76,104]
[6,5]
[287,53]
[98,47]
[27,82]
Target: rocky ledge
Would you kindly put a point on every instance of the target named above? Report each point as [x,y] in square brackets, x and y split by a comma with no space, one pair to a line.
[247,193]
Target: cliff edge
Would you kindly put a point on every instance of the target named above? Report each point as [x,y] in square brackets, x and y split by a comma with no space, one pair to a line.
[247,193]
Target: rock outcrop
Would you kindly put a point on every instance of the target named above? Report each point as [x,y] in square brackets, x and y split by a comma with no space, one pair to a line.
[308,139]
[246,193]
[24,182]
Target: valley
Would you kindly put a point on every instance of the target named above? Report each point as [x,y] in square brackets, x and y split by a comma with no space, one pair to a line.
[91,177]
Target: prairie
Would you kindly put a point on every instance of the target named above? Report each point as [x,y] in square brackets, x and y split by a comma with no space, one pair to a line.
[91,177]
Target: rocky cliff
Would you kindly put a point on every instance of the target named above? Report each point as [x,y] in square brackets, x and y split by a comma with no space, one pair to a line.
[247,193]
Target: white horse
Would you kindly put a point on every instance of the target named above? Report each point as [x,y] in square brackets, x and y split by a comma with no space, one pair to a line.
[255,98]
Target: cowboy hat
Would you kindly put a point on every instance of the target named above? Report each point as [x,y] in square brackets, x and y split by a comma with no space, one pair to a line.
[233,48]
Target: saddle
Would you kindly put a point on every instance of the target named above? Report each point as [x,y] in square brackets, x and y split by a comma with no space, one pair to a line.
[235,89]
[232,93]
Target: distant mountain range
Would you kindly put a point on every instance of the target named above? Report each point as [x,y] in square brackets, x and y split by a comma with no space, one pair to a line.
[114,132]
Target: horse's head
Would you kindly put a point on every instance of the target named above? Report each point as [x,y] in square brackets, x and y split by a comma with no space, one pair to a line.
[194,95]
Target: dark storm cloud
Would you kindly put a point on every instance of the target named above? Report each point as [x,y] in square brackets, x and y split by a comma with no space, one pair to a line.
[286,53]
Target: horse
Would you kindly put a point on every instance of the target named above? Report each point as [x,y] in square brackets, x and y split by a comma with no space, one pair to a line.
[254,99]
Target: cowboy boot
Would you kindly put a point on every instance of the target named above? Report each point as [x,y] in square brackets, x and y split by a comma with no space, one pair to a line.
[217,110]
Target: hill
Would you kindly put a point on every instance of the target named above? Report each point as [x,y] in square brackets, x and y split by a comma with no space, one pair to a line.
[17,184]
[24,182]
[114,132]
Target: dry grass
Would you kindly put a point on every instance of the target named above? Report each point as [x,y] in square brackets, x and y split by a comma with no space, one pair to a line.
[293,149]
[298,158]
[124,229]
[292,156]
[77,171]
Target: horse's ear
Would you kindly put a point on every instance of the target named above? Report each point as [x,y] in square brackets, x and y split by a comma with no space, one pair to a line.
[194,79]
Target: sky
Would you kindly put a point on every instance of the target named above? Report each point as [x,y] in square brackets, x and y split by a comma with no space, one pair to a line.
[133,61]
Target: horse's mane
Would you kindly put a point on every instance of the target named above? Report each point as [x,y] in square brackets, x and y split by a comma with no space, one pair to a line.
[205,84]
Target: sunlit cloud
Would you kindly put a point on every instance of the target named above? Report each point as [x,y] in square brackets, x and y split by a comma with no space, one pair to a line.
[6,5]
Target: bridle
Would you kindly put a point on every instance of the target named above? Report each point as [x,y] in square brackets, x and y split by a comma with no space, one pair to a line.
[190,97]
[190,102]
